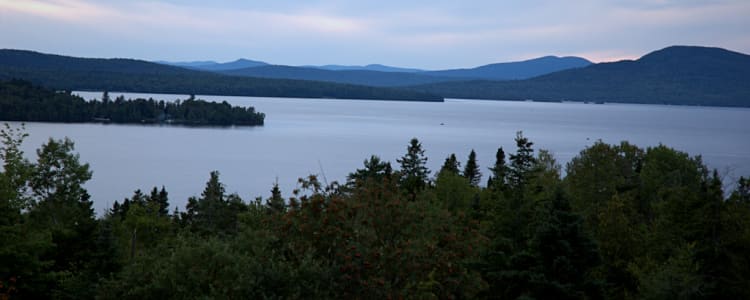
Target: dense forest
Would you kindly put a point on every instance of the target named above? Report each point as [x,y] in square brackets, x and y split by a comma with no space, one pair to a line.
[624,223]
[361,77]
[129,75]
[500,71]
[678,75]
[22,101]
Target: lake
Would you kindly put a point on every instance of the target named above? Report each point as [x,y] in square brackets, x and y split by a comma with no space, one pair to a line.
[334,137]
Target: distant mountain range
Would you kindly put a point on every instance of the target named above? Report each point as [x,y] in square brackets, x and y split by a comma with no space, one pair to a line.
[516,70]
[130,75]
[387,76]
[214,66]
[686,75]
[362,77]
[370,67]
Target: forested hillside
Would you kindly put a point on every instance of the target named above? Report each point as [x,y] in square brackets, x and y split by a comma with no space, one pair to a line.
[378,75]
[624,223]
[362,77]
[22,101]
[516,70]
[675,75]
[128,75]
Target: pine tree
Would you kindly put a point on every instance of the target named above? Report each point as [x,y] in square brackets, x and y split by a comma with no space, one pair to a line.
[451,165]
[105,98]
[521,162]
[214,212]
[375,170]
[413,169]
[499,171]
[471,171]
[742,192]
[276,202]
[160,200]
[565,254]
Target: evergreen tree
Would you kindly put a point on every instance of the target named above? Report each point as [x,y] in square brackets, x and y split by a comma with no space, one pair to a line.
[375,170]
[105,98]
[565,254]
[471,171]
[213,212]
[276,203]
[414,171]
[451,165]
[742,192]
[159,199]
[499,171]
[521,162]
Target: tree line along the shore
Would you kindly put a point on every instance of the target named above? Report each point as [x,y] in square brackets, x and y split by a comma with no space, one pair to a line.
[22,101]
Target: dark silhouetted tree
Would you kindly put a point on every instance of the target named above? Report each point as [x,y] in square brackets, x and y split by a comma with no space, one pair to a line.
[521,162]
[414,171]
[471,171]
[375,170]
[276,203]
[499,171]
[451,165]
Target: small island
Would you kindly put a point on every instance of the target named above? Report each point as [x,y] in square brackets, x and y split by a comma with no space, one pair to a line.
[22,101]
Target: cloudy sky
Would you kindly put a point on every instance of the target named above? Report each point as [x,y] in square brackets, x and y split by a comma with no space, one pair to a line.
[430,34]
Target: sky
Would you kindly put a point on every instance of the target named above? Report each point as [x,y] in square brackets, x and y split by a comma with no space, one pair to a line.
[427,34]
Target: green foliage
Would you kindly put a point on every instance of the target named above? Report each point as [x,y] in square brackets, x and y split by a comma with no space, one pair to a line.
[451,165]
[676,278]
[60,222]
[378,243]
[679,75]
[21,101]
[16,171]
[276,203]
[625,223]
[453,192]
[71,73]
[58,176]
[213,213]
[564,253]
[375,170]
[521,162]
[498,179]
[413,171]
[471,171]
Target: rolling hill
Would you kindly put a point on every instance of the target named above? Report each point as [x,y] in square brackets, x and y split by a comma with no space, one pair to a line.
[370,67]
[361,77]
[516,70]
[129,75]
[387,76]
[685,75]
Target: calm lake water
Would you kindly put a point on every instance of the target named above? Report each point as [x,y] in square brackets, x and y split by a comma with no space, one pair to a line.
[333,137]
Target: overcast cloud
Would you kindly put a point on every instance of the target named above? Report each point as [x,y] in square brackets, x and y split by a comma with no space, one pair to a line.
[424,34]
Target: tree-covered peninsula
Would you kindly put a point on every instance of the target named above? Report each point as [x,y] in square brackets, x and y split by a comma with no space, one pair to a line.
[623,223]
[23,101]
